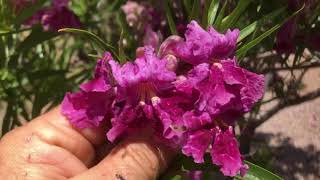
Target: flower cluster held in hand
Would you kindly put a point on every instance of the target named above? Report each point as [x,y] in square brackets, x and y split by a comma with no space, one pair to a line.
[189,93]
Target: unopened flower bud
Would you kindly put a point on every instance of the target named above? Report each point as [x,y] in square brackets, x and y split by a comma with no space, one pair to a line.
[167,47]
[139,52]
[172,62]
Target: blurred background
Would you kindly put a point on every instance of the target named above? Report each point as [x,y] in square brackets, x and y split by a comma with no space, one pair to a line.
[279,38]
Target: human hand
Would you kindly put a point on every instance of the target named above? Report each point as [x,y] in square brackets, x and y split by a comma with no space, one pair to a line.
[50,148]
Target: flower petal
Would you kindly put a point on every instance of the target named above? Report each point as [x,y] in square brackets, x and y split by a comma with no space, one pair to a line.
[225,153]
[197,144]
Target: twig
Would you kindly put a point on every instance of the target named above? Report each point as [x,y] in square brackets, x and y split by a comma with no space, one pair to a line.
[315,65]
[284,104]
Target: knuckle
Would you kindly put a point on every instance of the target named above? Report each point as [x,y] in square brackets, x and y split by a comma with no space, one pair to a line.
[139,159]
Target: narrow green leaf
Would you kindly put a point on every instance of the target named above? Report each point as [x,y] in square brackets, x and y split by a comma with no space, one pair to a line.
[252,27]
[212,11]
[256,41]
[4,32]
[116,4]
[241,52]
[95,56]
[127,35]
[94,38]
[218,22]
[231,19]
[187,6]
[171,22]
[204,20]
[195,10]
[122,56]
[258,173]
[247,30]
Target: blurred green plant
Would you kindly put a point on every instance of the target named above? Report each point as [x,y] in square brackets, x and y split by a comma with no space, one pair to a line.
[37,67]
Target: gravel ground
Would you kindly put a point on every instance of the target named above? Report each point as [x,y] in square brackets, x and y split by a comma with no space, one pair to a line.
[294,136]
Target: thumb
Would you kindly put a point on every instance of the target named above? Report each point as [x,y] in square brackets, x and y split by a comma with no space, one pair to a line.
[135,158]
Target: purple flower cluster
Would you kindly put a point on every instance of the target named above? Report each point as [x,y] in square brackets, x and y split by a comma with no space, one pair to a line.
[188,95]
[290,34]
[55,17]
[19,5]
[145,21]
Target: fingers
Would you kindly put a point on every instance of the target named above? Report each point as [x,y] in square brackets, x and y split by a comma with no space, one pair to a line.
[50,147]
[136,158]
[96,136]
[48,142]
[55,129]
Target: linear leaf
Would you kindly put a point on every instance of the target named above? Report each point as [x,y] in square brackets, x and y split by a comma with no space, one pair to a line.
[240,52]
[218,22]
[212,12]
[171,22]
[258,173]
[251,28]
[116,4]
[231,19]
[195,10]
[187,6]
[94,38]
[122,56]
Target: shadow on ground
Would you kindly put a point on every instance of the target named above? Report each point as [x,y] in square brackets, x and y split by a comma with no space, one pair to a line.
[289,161]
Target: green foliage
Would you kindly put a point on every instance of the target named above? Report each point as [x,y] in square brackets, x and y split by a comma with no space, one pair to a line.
[212,12]
[37,67]
[194,15]
[241,52]
[245,32]
[258,173]
[231,19]
[168,11]
[182,165]
[92,37]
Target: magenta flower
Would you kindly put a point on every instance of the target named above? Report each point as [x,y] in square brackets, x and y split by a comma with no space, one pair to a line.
[206,46]
[194,175]
[145,21]
[285,42]
[133,11]
[139,85]
[151,38]
[225,90]
[289,34]
[89,106]
[147,71]
[225,153]
[170,112]
[197,144]
[19,5]
[55,17]
[194,112]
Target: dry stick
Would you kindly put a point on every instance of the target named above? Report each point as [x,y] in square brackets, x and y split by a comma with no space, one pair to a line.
[284,104]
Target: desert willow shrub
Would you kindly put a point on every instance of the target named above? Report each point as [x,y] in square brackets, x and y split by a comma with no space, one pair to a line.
[184,61]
